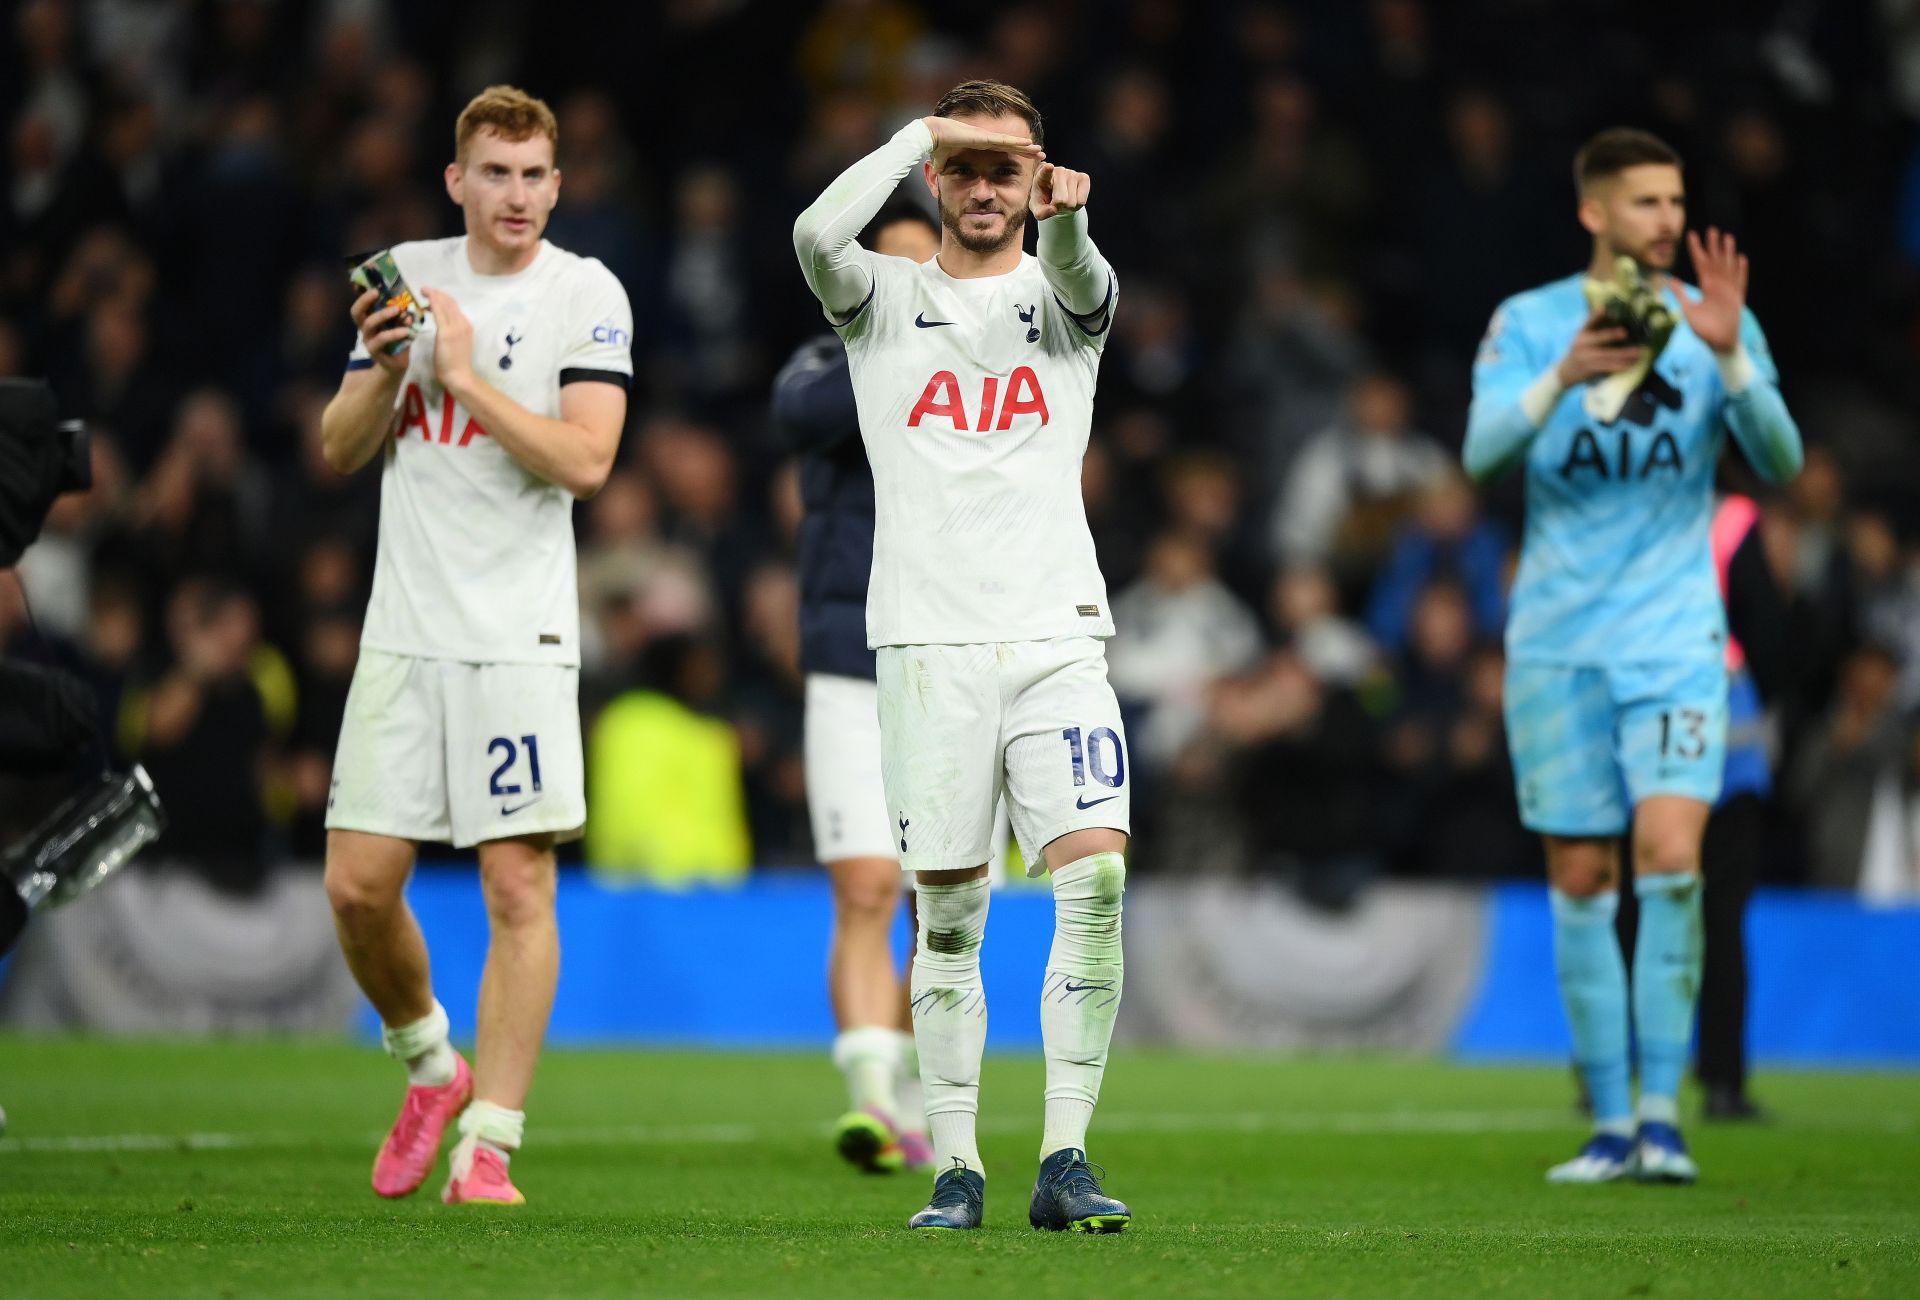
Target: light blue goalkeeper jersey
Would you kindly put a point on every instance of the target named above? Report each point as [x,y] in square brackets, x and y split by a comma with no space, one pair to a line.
[1617,566]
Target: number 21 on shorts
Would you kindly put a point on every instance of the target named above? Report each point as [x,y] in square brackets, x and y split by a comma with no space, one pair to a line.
[509,754]
[1091,756]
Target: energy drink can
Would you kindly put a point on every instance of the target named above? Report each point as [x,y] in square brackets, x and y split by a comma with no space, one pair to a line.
[379,272]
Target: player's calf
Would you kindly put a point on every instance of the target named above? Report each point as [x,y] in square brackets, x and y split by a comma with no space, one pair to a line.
[1081,994]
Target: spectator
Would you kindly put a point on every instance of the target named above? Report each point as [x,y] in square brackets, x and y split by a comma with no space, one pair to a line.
[202,732]
[664,776]
[1443,539]
[1335,649]
[203,507]
[706,294]
[1355,483]
[1855,759]
[1293,354]
[1298,756]
[1178,630]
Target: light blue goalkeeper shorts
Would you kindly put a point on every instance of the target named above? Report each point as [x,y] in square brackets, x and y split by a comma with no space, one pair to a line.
[1589,743]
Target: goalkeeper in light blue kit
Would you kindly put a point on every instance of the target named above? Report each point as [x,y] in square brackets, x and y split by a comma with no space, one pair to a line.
[1612,388]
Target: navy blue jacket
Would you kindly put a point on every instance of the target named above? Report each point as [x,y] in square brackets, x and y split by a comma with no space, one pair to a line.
[813,409]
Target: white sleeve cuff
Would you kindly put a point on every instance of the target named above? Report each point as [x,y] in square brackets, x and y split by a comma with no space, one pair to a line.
[918,134]
[1737,370]
[1542,395]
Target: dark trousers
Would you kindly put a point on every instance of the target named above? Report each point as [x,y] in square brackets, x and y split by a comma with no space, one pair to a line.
[1729,861]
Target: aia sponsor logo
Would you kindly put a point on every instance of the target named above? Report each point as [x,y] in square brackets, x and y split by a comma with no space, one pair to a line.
[942,399]
[436,426]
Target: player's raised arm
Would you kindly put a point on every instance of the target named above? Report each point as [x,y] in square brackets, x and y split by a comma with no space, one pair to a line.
[1515,389]
[824,236]
[1755,411]
[361,414]
[1074,269]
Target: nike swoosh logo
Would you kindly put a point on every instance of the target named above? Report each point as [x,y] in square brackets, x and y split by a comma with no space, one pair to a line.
[925,324]
[1083,803]
[508,810]
[1071,987]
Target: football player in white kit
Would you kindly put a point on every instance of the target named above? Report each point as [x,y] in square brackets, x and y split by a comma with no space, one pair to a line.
[973,376]
[463,722]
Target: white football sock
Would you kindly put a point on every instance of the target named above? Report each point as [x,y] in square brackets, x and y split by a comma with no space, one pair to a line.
[912,1101]
[424,1047]
[869,1058]
[950,1015]
[494,1127]
[1081,994]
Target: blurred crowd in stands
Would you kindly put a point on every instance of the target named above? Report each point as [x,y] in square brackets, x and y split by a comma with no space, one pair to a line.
[1313,207]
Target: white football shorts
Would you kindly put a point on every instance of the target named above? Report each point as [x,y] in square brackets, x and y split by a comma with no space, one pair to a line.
[845,800]
[459,753]
[960,724]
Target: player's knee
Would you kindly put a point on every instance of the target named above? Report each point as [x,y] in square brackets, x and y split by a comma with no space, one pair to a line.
[519,890]
[1108,883]
[954,921]
[1086,903]
[866,900]
[359,894]
[1584,873]
[1097,882]
[1666,853]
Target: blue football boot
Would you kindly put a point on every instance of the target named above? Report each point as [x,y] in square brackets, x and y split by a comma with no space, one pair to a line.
[1660,1155]
[1067,1196]
[1605,1158]
[959,1201]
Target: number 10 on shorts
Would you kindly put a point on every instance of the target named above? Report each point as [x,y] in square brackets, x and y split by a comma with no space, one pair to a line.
[1091,754]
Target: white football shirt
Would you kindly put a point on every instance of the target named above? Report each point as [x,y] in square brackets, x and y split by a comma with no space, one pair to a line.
[476,558]
[976,399]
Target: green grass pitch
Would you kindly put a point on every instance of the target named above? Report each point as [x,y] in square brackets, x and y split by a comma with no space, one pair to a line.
[240,1169]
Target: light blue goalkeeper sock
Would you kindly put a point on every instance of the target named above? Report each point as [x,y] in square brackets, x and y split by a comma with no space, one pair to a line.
[1593,986]
[1666,986]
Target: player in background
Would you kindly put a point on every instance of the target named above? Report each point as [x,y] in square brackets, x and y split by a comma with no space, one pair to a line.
[974,378]
[1735,842]
[1616,692]
[463,723]
[884,1129]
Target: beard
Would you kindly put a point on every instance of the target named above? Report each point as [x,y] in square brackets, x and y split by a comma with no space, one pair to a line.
[1653,261]
[1010,230]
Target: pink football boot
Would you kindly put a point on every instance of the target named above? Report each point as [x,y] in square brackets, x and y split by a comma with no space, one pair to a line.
[414,1142]
[484,1181]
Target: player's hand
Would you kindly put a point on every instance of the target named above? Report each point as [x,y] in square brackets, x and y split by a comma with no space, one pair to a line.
[951,134]
[1722,272]
[1599,349]
[452,341]
[378,329]
[1057,190]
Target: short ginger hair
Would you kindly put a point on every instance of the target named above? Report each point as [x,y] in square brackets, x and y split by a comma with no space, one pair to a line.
[510,113]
